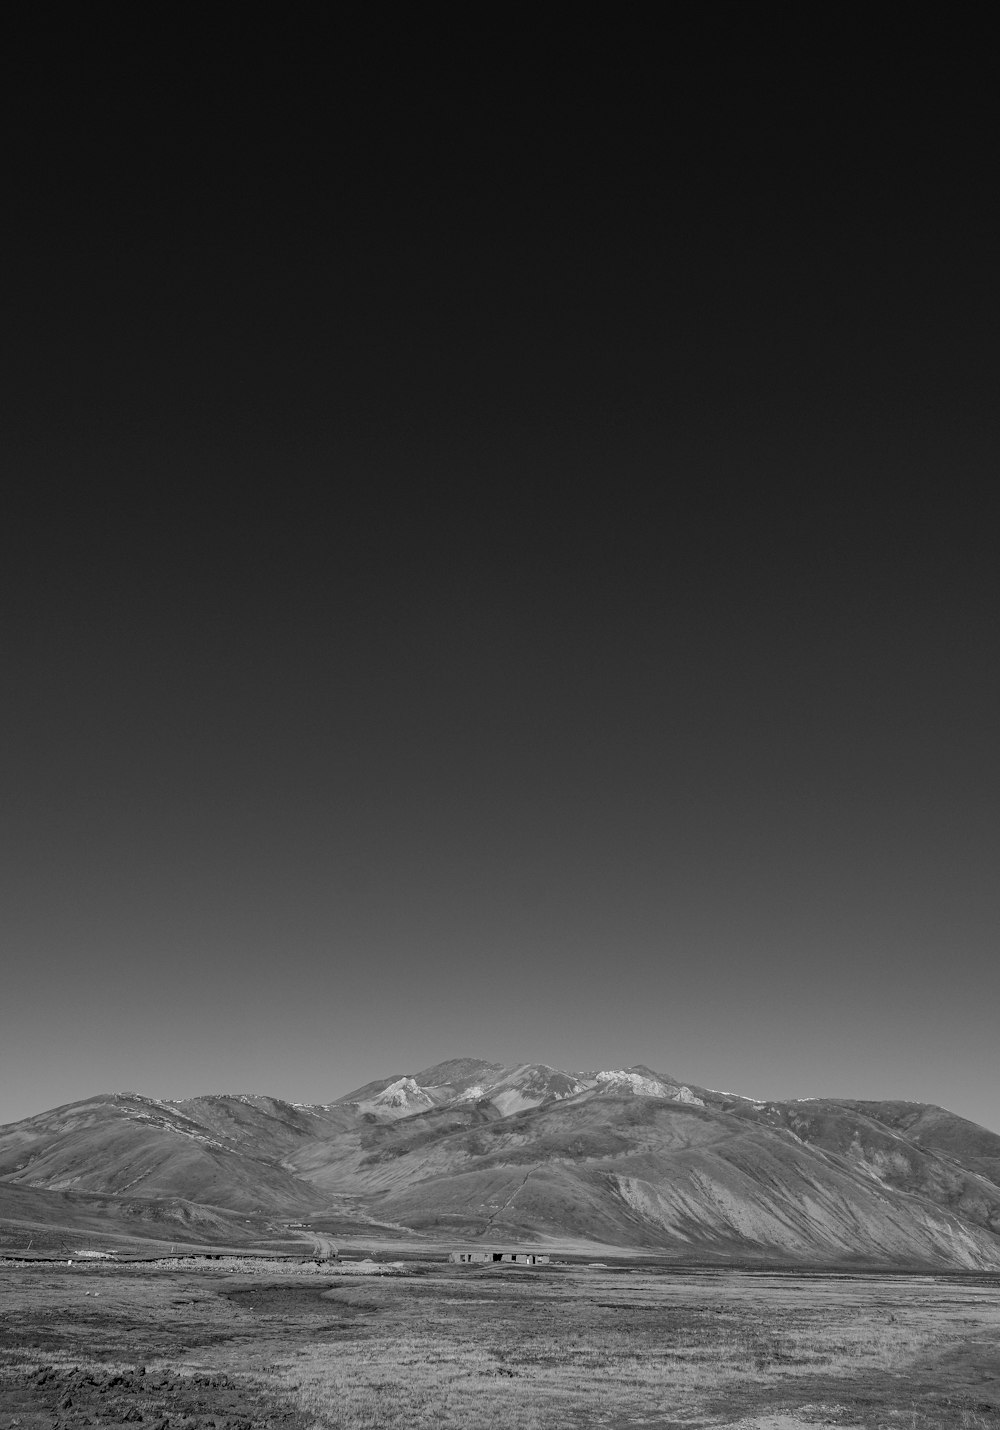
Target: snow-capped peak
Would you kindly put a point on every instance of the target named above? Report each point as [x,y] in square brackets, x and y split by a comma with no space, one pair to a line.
[624,1080]
[403,1095]
[620,1078]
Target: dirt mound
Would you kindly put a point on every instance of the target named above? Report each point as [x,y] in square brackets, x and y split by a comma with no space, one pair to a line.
[74,1396]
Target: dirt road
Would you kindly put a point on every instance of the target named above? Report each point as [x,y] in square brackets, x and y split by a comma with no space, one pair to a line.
[325,1246]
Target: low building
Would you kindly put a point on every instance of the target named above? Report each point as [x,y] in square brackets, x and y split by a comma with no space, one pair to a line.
[519,1258]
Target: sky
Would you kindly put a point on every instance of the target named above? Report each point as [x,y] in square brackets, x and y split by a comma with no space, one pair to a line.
[498,562]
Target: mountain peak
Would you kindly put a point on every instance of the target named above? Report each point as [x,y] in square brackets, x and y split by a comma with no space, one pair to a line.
[456,1070]
[471,1148]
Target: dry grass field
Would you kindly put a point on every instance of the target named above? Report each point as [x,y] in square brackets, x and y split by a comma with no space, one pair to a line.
[239,1344]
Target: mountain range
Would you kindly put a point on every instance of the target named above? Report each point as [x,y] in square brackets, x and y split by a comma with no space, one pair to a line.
[478,1153]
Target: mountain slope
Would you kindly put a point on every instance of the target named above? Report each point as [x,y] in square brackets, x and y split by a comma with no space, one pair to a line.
[473,1149]
[122,1144]
[43,1220]
[653,1172]
[906,1147]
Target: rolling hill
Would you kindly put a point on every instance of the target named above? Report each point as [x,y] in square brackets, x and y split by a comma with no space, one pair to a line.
[479,1152]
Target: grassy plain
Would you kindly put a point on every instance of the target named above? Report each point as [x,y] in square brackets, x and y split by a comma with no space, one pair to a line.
[242,1343]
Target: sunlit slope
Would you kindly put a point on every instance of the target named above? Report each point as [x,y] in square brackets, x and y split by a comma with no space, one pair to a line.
[125,1145]
[696,1180]
[932,1129]
[476,1150]
[904,1146]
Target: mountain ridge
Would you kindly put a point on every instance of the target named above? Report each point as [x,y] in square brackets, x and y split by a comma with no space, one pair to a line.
[471,1149]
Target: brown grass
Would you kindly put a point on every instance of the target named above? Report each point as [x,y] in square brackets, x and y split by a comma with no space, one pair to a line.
[510,1349]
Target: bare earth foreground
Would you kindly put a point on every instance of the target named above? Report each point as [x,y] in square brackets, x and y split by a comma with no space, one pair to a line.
[238,1342]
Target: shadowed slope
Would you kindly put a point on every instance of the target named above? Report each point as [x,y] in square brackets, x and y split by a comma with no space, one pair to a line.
[34,1218]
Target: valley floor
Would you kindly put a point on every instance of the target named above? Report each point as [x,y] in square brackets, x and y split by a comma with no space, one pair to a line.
[421,1344]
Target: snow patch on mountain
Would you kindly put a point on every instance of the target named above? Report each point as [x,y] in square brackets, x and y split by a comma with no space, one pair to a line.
[472,1094]
[741,1097]
[624,1080]
[400,1099]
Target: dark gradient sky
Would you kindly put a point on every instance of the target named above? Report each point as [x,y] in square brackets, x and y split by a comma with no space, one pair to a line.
[500,561]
